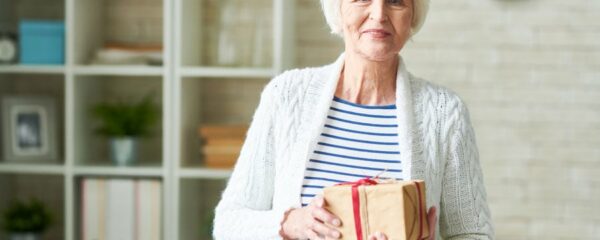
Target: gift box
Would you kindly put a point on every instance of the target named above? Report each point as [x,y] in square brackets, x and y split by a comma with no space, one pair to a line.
[395,208]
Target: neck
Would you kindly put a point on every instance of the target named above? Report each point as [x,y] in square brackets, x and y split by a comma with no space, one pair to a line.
[368,82]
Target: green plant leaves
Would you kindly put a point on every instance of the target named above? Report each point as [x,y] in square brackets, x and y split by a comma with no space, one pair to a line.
[21,216]
[121,119]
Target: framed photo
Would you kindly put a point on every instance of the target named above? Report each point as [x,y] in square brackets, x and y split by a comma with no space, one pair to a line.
[29,129]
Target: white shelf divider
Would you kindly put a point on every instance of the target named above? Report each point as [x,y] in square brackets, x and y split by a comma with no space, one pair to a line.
[33,69]
[118,171]
[119,70]
[204,173]
[227,72]
[25,168]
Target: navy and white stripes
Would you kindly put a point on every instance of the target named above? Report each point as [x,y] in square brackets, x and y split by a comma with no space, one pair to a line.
[357,141]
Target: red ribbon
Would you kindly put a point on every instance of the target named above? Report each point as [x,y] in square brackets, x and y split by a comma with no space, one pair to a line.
[356,204]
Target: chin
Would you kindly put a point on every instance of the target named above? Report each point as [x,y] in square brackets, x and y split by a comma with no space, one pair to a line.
[378,51]
[379,55]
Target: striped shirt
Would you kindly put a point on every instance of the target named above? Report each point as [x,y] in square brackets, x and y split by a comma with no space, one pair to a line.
[357,141]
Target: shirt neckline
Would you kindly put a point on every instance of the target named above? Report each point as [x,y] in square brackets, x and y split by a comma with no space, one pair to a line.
[390,106]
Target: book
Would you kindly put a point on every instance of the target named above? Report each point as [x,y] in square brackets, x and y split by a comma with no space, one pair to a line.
[148,213]
[120,214]
[223,141]
[220,160]
[220,150]
[93,208]
[222,131]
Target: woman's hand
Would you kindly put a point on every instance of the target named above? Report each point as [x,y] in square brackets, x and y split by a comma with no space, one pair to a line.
[431,220]
[308,222]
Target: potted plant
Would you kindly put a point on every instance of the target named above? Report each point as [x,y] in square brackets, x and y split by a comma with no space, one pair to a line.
[123,123]
[26,220]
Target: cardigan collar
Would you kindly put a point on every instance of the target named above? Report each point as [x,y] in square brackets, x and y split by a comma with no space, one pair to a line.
[321,92]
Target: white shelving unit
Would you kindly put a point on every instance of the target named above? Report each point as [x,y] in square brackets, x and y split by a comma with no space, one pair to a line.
[190,191]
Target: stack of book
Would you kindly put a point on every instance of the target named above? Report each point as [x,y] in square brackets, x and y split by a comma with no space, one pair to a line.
[128,54]
[120,209]
[221,144]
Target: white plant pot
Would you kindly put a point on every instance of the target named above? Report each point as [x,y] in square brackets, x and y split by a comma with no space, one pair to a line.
[123,151]
[25,236]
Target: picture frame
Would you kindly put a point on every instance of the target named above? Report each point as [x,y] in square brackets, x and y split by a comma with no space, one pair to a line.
[29,129]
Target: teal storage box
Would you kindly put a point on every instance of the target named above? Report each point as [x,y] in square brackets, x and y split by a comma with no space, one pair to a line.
[41,42]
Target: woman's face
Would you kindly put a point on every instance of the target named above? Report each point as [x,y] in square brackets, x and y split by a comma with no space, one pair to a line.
[376,29]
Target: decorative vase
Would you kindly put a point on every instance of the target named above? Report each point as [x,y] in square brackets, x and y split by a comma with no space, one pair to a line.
[25,236]
[123,151]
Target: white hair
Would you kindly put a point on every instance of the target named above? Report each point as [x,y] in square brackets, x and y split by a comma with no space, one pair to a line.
[331,8]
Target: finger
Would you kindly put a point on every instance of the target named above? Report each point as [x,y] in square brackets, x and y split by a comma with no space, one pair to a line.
[325,216]
[431,215]
[318,201]
[377,236]
[432,220]
[312,234]
[324,230]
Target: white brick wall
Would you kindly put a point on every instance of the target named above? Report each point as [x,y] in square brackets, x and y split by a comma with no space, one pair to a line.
[530,74]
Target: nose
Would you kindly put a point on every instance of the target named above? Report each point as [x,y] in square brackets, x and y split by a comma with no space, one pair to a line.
[377,11]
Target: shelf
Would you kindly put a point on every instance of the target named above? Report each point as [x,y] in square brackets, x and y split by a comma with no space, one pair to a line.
[227,72]
[103,24]
[146,170]
[33,69]
[26,88]
[32,168]
[49,189]
[118,70]
[226,33]
[204,173]
[90,147]
[213,101]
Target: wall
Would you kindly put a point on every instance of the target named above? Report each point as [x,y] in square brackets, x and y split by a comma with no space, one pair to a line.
[12,11]
[137,22]
[529,71]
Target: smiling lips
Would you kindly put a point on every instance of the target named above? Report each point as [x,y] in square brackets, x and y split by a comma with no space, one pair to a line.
[377,33]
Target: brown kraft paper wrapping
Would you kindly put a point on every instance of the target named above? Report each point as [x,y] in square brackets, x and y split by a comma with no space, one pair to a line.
[390,207]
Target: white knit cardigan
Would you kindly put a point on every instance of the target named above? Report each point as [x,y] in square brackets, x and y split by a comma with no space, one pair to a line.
[437,144]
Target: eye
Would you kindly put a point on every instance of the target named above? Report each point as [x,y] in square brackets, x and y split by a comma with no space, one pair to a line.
[395,2]
[361,2]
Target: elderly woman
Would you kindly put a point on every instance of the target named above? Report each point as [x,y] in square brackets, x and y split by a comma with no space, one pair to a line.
[352,119]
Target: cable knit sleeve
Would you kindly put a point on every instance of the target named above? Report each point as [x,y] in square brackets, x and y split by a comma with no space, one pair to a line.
[464,212]
[245,209]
